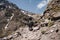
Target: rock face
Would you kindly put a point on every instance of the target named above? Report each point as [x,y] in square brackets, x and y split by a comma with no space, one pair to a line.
[18,24]
[53,9]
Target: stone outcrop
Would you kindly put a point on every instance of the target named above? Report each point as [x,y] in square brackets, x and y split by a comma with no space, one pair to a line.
[53,10]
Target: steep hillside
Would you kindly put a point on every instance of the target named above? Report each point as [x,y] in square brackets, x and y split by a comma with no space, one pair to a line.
[11,18]
[18,24]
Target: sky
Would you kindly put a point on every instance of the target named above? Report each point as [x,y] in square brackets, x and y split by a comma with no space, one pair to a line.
[34,6]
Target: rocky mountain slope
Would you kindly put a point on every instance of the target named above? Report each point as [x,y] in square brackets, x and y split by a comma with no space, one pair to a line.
[18,24]
[11,18]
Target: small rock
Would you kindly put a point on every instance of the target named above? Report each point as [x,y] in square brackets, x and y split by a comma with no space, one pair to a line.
[54,26]
[30,29]
[46,20]
[51,30]
[36,28]
[5,38]
[10,36]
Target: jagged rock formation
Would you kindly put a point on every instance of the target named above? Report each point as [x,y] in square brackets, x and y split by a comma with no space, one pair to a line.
[18,24]
[53,10]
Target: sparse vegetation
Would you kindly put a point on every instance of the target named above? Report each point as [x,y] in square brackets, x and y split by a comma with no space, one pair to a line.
[7,14]
[43,31]
[50,23]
